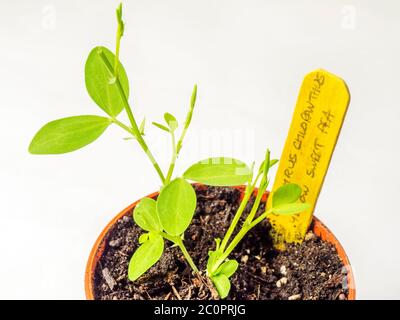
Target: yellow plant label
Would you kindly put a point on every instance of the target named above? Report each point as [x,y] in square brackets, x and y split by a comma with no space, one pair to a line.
[317,120]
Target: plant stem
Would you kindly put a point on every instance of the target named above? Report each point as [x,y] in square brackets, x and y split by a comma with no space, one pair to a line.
[249,190]
[134,127]
[247,194]
[168,237]
[176,147]
[178,241]
[173,160]
[121,125]
[186,254]
[116,59]
[188,119]
[136,132]
[260,218]
[120,32]
[260,193]
[237,239]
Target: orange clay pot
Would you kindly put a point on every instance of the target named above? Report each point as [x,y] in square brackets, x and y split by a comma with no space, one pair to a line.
[98,248]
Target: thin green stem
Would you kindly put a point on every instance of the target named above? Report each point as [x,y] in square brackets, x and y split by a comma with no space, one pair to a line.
[136,132]
[249,190]
[173,160]
[247,194]
[168,237]
[186,255]
[135,129]
[116,59]
[120,32]
[188,119]
[176,147]
[121,125]
[245,229]
[113,71]
[178,241]
[260,218]
[263,186]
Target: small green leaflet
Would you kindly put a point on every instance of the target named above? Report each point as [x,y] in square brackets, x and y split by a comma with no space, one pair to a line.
[171,121]
[228,268]
[176,205]
[145,256]
[222,284]
[212,258]
[145,215]
[160,126]
[271,164]
[219,172]
[143,237]
[221,277]
[288,193]
[101,83]
[68,134]
[284,200]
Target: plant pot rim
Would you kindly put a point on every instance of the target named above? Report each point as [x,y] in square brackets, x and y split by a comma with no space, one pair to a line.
[98,248]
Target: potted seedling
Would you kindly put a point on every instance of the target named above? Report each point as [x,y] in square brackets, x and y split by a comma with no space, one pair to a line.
[206,234]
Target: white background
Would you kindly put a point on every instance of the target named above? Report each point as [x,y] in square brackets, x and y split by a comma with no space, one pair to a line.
[248,58]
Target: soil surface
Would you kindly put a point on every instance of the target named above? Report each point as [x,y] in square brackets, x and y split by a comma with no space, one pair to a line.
[312,270]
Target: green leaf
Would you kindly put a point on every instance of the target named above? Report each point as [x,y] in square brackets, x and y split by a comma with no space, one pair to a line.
[228,268]
[271,164]
[68,134]
[219,172]
[171,121]
[212,258]
[121,24]
[160,126]
[145,215]
[288,193]
[101,83]
[145,256]
[290,208]
[222,284]
[143,237]
[176,205]
[267,161]
[193,98]
[217,243]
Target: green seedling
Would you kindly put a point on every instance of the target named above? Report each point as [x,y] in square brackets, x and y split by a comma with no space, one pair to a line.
[107,84]
[284,202]
[168,217]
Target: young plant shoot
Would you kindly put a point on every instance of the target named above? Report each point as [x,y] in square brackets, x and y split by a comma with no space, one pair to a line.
[284,202]
[168,217]
[107,84]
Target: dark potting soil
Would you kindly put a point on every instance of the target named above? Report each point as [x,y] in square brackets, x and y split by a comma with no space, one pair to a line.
[312,270]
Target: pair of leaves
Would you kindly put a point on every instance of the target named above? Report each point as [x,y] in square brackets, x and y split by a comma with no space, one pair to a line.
[72,133]
[222,275]
[284,200]
[170,120]
[172,212]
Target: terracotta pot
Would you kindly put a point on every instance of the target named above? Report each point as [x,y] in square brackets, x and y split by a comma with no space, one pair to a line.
[98,248]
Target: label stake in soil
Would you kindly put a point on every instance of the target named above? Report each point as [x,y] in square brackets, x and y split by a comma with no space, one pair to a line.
[320,110]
